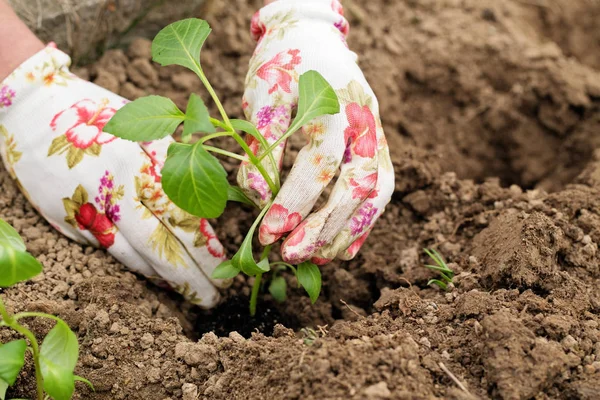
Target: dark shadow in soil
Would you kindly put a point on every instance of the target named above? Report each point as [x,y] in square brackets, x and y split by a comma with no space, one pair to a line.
[234,315]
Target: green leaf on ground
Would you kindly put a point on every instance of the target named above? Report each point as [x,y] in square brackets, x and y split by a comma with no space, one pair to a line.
[197,118]
[180,43]
[278,289]
[16,264]
[78,378]
[225,270]
[145,119]
[195,180]
[58,357]
[309,277]
[12,358]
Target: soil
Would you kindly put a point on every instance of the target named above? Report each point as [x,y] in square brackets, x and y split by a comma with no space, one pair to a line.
[492,112]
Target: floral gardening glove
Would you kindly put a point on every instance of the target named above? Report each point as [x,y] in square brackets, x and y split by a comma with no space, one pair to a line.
[295,36]
[94,187]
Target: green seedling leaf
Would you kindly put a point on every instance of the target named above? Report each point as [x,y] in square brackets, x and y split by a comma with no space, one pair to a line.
[3,389]
[309,276]
[316,98]
[278,289]
[16,264]
[180,43]
[441,284]
[225,270]
[145,119]
[236,194]
[195,180]
[12,358]
[10,237]
[244,259]
[78,378]
[58,357]
[197,118]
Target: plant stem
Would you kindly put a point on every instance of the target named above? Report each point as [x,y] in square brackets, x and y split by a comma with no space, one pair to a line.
[18,316]
[214,96]
[254,296]
[214,136]
[224,152]
[11,322]
[257,282]
[251,157]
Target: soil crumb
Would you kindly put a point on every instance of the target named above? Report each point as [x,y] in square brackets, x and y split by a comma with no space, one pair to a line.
[492,112]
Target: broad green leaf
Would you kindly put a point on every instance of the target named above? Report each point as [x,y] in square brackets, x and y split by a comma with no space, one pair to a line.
[180,43]
[278,289]
[10,237]
[16,266]
[3,389]
[145,119]
[225,270]
[316,97]
[197,118]
[309,277]
[195,180]
[58,357]
[59,382]
[236,194]
[12,358]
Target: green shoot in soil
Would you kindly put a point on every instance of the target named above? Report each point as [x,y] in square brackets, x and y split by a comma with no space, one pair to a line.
[446,274]
[55,359]
[193,178]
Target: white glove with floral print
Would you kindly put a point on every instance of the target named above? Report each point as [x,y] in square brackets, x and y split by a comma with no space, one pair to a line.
[295,36]
[94,187]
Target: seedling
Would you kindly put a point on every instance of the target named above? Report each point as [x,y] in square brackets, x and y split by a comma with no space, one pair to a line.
[446,274]
[56,358]
[192,177]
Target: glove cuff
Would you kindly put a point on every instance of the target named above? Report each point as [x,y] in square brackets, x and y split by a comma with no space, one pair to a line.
[281,13]
[46,67]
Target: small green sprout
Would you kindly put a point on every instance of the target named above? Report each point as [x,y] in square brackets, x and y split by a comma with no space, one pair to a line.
[446,274]
[310,336]
[192,177]
[56,358]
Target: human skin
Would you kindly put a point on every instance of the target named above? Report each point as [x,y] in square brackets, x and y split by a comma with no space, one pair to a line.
[17,42]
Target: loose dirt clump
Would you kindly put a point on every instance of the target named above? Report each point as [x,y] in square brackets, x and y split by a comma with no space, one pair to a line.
[492,113]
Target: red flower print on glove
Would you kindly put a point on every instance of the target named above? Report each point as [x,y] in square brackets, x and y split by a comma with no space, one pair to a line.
[214,246]
[82,123]
[361,133]
[98,219]
[363,188]
[80,127]
[99,225]
[276,223]
[279,72]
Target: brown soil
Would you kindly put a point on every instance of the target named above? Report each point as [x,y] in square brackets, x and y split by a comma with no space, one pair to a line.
[492,111]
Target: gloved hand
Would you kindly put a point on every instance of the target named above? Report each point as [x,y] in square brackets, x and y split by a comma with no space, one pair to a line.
[295,36]
[94,187]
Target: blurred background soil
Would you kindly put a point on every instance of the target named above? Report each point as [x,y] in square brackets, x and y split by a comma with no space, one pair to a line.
[492,112]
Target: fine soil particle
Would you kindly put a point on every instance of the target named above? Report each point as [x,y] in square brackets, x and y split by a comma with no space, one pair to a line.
[492,113]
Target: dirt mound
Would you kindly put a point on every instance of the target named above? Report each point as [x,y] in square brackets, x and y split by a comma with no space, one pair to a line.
[492,114]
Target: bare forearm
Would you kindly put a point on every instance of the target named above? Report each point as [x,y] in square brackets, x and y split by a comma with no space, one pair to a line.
[17,42]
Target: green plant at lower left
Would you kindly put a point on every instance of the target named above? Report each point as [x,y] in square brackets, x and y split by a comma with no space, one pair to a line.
[55,359]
